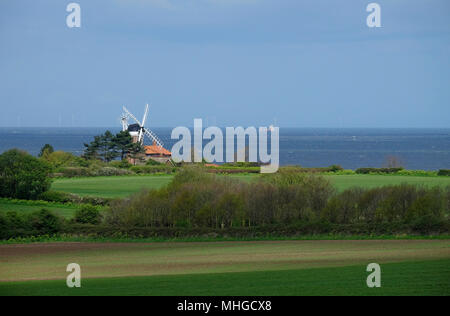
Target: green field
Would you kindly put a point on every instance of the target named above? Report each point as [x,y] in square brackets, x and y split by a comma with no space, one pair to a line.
[66,211]
[125,185]
[343,182]
[121,186]
[409,267]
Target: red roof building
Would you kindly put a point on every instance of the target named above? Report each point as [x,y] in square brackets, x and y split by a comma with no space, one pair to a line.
[155,150]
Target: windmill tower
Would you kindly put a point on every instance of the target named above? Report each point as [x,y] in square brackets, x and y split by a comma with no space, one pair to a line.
[138,130]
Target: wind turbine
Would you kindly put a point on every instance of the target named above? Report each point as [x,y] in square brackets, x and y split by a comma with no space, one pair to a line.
[138,130]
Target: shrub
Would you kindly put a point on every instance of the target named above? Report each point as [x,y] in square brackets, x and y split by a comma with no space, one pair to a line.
[55,196]
[196,198]
[242,164]
[152,162]
[335,168]
[122,164]
[93,171]
[60,159]
[343,208]
[4,226]
[44,222]
[22,175]
[421,173]
[429,224]
[153,169]
[444,172]
[378,170]
[88,215]
[111,171]
[71,172]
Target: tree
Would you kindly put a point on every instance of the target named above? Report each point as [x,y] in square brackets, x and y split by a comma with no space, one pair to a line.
[59,159]
[46,150]
[123,143]
[23,176]
[136,152]
[88,215]
[108,147]
[91,149]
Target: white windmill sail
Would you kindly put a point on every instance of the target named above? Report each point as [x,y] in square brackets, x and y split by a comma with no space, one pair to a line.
[142,129]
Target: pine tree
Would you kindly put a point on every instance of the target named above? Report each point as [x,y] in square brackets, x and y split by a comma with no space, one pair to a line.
[108,147]
[91,150]
[123,143]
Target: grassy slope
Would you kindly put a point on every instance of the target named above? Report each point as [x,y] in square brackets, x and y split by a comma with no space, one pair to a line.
[110,186]
[405,278]
[126,185]
[62,210]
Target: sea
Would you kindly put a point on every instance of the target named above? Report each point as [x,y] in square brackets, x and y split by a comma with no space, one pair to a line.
[424,149]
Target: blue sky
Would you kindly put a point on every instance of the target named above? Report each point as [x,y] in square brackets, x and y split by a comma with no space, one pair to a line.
[311,63]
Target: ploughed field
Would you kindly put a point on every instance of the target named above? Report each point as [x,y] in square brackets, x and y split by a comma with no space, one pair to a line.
[409,267]
[125,185]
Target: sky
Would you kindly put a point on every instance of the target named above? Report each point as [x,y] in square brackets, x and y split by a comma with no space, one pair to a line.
[310,63]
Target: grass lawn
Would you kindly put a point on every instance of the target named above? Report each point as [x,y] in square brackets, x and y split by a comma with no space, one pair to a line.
[342,182]
[62,210]
[125,185]
[419,267]
[107,187]
[121,186]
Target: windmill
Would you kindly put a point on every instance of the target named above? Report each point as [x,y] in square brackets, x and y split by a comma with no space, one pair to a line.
[138,130]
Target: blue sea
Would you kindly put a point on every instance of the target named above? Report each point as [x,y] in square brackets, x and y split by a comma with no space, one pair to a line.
[427,149]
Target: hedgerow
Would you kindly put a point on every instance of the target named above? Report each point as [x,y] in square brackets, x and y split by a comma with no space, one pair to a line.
[288,203]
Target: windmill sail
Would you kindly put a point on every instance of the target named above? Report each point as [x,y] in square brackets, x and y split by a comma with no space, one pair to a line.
[138,130]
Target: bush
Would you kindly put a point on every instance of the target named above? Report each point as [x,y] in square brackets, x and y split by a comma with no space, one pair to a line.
[38,223]
[122,164]
[93,171]
[420,173]
[335,168]
[196,198]
[4,227]
[378,170]
[60,159]
[44,222]
[71,172]
[88,215]
[444,172]
[242,164]
[153,169]
[22,175]
[111,171]
[56,196]
[152,162]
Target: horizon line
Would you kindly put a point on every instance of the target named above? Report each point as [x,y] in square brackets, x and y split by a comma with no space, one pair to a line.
[287,127]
